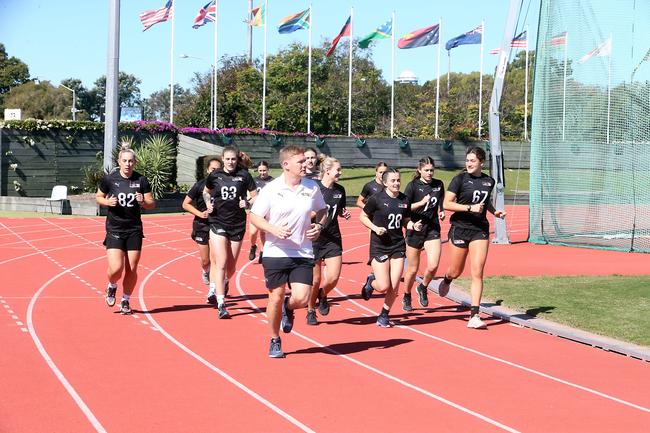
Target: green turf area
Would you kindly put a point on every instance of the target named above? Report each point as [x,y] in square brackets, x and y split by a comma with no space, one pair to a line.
[615,306]
[353,179]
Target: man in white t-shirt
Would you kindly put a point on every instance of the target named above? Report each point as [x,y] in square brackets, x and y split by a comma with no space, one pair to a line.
[285,209]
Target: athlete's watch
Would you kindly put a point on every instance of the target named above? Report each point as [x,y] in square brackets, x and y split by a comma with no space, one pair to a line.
[469,208]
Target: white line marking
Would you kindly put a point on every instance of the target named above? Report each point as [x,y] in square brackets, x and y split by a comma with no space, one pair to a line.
[144,322]
[2,301]
[14,317]
[212,367]
[19,323]
[24,329]
[10,311]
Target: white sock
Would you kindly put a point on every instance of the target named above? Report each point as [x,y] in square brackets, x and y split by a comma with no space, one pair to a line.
[126,297]
[220,300]
[213,289]
[112,285]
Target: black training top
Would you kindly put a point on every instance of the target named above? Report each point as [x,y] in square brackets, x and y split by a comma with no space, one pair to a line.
[416,190]
[260,182]
[125,215]
[370,189]
[314,175]
[227,189]
[471,190]
[196,194]
[390,213]
[335,200]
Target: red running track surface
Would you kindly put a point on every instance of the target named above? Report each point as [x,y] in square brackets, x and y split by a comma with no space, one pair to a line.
[69,363]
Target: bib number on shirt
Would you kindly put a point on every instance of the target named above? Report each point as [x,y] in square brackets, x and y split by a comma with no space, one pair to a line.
[228,192]
[125,200]
[394,221]
[433,201]
[479,196]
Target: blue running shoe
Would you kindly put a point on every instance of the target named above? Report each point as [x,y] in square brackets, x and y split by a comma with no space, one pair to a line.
[223,313]
[287,317]
[423,297]
[383,321]
[366,290]
[275,349]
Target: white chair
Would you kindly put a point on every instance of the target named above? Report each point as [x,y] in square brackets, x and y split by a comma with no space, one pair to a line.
[59,193]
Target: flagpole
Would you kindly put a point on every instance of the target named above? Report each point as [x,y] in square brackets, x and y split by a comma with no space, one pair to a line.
[350,76]
[609,83]
[480,81]
[526,92]
[392,81]
[566,46]
[250,32]
[171,68]
[264,16]
[448,69]
[309,75]
[215,67]
[438,76]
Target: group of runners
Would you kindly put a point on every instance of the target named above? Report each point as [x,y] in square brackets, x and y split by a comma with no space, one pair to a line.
[296,216]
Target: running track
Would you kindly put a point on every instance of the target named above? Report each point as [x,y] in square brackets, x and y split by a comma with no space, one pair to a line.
[68,363]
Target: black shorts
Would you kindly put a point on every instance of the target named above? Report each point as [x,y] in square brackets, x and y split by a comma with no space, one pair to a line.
[201,237]
[326,250]
[282,270]
[461,238]
[415,239]
[125,241]
[381,256]
[235,234]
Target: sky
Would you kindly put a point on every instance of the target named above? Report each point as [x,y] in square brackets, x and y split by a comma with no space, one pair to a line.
[69,38]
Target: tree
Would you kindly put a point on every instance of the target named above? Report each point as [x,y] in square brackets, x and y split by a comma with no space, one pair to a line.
[156,106]
[13,72]
[40,101]
[128,94]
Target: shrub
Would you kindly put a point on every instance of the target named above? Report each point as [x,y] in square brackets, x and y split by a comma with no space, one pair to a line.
[155,160]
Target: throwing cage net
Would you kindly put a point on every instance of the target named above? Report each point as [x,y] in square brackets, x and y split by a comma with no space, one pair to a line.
[590,143]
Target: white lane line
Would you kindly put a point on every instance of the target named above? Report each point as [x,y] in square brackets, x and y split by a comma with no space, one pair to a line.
[205,362]
[380,372]
[59,375]
[24,329]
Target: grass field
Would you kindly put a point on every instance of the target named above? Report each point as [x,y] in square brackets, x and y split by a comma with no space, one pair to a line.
[615,306]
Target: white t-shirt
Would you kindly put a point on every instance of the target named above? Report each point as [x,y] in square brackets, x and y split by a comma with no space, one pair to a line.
[280,205]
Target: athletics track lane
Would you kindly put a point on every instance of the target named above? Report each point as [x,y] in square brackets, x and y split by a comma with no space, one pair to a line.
[325,385]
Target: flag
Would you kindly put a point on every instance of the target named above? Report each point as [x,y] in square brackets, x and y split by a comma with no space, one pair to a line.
[345,31]
[602,50]
[644,59]
[294,22]
[207,14]
[258,16]
[420,38]
[520,41]
[155,16]
[495,51]
[559,39]
[382,32]
[474,36]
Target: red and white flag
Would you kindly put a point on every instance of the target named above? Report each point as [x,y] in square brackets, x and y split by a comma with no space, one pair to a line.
[602,50]
[155,16]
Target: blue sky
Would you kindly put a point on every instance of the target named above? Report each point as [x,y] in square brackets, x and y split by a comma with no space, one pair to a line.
[68,38]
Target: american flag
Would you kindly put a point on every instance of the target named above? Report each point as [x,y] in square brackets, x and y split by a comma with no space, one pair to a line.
[520,41]
[154,16]
[207,14]
[559,39]
[495,51]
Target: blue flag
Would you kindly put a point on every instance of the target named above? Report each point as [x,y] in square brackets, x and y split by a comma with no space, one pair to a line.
[472,37]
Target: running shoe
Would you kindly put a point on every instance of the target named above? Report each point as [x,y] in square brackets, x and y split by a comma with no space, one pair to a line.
[259,259]
[223,313]
[275,349]
[423,297]
[252,253]
[406,302]
[366,290]
[443,288]
[311,317]
[125,308]
[323,303]
[383,321]
[205,276]
[475,322]
[212,298]
[110,295]
[287,317]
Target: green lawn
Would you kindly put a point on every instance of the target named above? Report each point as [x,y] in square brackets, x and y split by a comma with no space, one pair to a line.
[615,306]
[353,179]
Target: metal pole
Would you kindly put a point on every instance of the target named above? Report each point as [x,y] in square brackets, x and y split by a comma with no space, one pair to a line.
[480,82]
[171,69]
[566,46]
[526,91]
[500,233]
[350,76]
[112,73]
[438,77]
[392,80]
[609,84]
[309,74]
[215,67]
[250,32]
[73,110]
[266,11]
